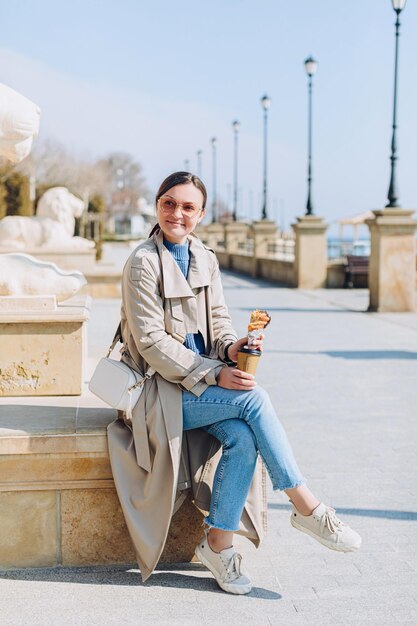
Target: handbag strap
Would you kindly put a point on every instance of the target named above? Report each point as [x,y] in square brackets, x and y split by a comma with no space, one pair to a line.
[118,337]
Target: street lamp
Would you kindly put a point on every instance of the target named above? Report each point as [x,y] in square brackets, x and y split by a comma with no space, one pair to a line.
[199,162]
[266,103]
[187,165]
[398,6]
[236,128]
[214,191]
[310,67]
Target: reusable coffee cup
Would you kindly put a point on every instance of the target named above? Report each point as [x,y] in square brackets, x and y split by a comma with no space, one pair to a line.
[248,359]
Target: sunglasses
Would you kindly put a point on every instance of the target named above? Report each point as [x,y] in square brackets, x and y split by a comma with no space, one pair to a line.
[167,204]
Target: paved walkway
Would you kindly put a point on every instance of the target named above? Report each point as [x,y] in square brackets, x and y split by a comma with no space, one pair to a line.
[344,384]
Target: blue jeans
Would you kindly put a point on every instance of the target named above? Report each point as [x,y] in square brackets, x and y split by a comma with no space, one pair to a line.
[245,423]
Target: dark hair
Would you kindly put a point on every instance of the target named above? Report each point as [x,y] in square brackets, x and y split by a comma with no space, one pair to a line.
[179,178]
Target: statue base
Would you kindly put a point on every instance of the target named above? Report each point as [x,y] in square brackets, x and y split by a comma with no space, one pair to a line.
[66,258]
[43,350]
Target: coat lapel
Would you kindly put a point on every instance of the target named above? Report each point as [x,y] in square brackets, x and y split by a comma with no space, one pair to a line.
[174,282]
[199,274]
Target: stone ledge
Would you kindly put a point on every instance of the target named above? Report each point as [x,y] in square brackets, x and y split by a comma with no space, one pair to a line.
[58,502]
[48,485]
[49,444]
[103,282]
[75,309]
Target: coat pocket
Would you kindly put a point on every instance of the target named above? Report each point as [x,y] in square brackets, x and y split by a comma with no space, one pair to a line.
[176,309]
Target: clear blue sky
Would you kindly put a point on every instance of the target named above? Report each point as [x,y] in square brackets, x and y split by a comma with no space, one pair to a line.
[160,78]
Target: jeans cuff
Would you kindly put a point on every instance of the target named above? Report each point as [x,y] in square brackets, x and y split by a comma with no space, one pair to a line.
[298,483]
[219,526]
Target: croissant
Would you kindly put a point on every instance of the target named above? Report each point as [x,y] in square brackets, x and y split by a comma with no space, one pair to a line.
[258,320]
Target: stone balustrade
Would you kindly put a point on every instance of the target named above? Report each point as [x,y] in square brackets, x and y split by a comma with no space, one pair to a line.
[259,250]
[300,260]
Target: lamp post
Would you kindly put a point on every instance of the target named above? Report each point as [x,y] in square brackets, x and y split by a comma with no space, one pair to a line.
[266,103]
[398,6]
[236,128]
[187,165]
[199,162]
[310,66]
[214,191]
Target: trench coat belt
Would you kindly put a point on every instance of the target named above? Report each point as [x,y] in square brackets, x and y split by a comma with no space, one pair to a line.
[137,424]
[141,439]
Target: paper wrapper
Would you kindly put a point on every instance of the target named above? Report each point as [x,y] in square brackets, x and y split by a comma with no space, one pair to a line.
[254,334]
[257,318]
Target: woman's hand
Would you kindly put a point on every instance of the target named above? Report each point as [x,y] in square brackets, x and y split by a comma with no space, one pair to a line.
[232,378]
[235,347]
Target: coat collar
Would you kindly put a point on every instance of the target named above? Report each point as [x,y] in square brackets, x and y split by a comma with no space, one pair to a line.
[174,281]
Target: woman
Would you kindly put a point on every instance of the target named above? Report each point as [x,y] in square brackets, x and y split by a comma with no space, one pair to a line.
[177,330]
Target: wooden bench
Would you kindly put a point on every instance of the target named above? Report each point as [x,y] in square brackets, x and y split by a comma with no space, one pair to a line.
[355,266]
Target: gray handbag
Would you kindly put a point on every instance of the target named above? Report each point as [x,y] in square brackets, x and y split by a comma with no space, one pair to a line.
[116,383]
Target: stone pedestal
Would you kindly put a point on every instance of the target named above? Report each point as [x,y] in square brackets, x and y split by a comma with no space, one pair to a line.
[58,502]
[310,266]
[200,231]
[103,282]
[236,235]
[214,236]
[392,265]
[43,351]
[66,258]
[263,233]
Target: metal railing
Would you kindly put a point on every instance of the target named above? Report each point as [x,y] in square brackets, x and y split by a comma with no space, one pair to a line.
[245,247]
[282,249]
[339,249]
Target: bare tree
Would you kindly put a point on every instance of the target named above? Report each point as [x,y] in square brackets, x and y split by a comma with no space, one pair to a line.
[117,178]
[125,182]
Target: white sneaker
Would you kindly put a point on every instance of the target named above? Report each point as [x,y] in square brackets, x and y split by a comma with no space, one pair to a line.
[324,525]
[225,567]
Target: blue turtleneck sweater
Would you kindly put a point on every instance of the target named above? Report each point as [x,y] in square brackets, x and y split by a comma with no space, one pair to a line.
[181,254]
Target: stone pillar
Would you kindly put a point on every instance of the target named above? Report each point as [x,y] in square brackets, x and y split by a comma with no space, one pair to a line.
[264,233]
[214,236]
[235,233]
[310,265]
[392,265]
[200,231]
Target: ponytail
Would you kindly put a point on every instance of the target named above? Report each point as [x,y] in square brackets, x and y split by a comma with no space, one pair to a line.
[154,229]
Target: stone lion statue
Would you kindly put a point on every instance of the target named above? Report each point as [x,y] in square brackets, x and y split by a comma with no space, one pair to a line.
[52,226]
[19,124]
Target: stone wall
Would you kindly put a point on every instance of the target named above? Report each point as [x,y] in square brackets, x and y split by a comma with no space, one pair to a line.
[58,503]
[277,270]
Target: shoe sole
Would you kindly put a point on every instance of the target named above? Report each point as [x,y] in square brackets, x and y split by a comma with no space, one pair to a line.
[328,544]
[239,591]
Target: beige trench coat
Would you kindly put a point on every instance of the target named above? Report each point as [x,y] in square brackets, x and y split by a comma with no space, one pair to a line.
[154,463]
